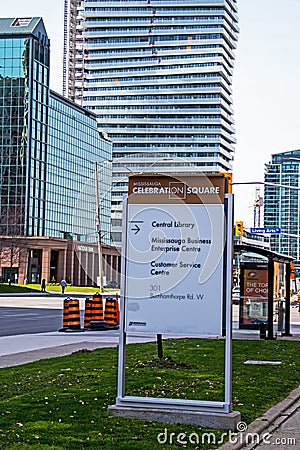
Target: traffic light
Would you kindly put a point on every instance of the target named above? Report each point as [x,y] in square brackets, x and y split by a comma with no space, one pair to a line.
[292,271]
[239,228]
[228,175]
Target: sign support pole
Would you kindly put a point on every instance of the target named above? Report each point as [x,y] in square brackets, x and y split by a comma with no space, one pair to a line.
[122,335]
[228,307]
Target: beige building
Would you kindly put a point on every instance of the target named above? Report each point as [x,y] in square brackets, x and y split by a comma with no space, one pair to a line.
[30,259]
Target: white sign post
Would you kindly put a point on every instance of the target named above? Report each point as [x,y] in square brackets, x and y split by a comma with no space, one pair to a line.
[176,269]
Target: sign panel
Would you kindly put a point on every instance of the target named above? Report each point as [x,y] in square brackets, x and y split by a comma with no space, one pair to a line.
[268,230]
[174,254]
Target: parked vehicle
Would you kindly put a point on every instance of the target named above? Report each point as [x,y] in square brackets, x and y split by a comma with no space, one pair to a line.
[111,285]
[236,295]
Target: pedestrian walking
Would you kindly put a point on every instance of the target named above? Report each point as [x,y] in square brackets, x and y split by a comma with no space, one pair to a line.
[63,284]
[43,285]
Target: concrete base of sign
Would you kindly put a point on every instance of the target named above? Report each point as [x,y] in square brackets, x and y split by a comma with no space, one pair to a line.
[214,420]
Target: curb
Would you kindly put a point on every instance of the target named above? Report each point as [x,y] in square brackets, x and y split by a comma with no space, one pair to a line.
[262,423]
[18,359]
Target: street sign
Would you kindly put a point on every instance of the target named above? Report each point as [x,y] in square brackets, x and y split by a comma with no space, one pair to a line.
[175,254]
[176,275]
[267,230]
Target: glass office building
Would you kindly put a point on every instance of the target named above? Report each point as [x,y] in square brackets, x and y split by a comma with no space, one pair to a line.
[50,152]
[158,74]
[24,84]
[281,204]
[74,146]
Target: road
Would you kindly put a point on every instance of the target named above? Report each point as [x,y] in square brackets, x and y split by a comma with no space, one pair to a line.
[14,321]
[43,314]
[32,314]
[29,330]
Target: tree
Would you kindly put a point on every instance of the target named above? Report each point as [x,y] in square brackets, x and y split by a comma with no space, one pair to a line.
[13,244]
[13,249]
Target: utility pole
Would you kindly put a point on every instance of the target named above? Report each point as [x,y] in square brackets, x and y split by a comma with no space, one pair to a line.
[258,203]
[99,230]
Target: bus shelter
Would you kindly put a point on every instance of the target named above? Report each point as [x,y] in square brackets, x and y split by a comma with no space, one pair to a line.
[264,284]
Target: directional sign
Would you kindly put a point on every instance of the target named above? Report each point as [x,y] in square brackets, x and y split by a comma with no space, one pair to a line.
[268,230]
[174,254]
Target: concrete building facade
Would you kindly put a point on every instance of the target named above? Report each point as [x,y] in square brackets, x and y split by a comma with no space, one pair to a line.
[158,74]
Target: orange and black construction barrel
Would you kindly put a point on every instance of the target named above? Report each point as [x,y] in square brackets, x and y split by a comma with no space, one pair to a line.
[88,312]
[97,307]
[65,314]
[118,309]
[110,313]
[74,315]
[97,322]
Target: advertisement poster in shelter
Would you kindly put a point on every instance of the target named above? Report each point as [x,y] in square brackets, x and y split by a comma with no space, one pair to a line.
[254,294]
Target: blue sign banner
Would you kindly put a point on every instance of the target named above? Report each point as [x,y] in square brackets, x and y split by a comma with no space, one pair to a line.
[268,230]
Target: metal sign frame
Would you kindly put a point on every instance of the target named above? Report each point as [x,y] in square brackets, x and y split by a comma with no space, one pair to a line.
[170,403]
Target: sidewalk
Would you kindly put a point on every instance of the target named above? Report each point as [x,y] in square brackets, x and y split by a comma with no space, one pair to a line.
[278,428]
[21,349]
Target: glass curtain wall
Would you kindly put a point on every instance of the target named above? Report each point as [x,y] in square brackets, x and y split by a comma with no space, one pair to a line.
[281,204]
[74,147]
[24,76]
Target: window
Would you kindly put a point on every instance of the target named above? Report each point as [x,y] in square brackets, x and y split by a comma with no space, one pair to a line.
[21,22]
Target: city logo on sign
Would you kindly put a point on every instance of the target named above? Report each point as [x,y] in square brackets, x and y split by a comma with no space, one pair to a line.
[177,190]
[268,230]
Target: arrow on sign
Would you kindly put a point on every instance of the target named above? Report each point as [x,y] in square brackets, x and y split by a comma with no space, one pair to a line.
[136,228]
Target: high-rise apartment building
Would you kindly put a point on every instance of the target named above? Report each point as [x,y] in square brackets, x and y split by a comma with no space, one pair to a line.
[281,204]
[48,150]
[158,74]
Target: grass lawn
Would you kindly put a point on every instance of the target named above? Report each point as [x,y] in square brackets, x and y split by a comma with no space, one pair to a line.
[16,289]
[57,288]
[62,403]
[23,289]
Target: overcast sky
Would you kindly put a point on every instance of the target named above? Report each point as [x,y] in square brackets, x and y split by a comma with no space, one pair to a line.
[266,82]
